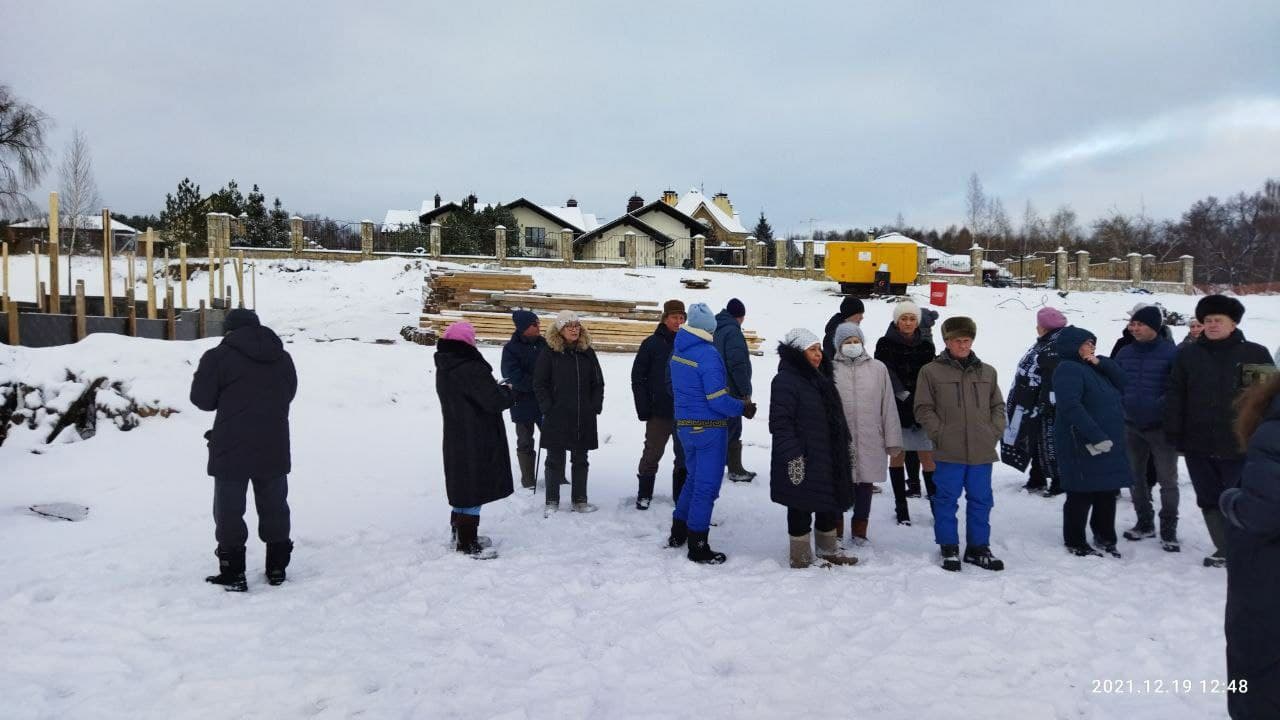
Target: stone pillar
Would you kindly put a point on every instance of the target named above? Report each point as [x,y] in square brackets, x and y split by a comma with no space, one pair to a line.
[780,249]
[500,243]
[749,253]
[1188,274]
[699,252]
[976,256]
[808,256]
[629,248]
[366,239]
[295,234]
[1082,267]
[1135,268]
[1061,272]
[922,263]
[566,245]
[433,239]
[211,232]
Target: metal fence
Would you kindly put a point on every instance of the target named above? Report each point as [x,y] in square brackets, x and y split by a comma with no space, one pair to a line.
[405,241]
[456,240]
[330,235]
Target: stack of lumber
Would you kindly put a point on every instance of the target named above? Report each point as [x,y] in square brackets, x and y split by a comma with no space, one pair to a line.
[452,288]
[554,303]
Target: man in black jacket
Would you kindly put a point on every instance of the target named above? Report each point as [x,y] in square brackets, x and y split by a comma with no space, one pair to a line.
[1200,413]
[519,357]
[249,380]
[852,310]
[655,406]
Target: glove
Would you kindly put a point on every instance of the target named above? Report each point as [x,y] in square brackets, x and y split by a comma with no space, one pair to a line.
[749,410]
[1099,448]
[927,317]
[903,395]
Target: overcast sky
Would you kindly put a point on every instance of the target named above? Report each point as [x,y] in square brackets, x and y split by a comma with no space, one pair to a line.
[844,113]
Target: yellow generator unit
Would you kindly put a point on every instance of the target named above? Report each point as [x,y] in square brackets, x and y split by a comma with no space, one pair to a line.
[855,266]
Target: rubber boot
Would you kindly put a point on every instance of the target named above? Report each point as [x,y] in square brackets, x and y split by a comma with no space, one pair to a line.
[1217,525]
[829,548]
[278,554]
[644,494]
[230,570]
[898,479]
[801,551]
[468,532]
[737,473]
[912,465]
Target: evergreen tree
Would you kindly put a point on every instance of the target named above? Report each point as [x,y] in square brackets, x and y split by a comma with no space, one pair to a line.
[764,233]
[227,200]
[471,232]
[257,226]
[184,217]
[279,221]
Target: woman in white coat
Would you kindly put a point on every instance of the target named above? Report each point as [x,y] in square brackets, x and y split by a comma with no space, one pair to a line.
[866,393]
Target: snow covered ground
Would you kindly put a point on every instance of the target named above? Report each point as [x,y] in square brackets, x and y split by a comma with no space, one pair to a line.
[582,616]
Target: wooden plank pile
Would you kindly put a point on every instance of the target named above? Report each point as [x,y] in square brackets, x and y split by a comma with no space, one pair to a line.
[449,289]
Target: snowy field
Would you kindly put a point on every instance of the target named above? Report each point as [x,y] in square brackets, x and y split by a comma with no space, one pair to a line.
[582,616]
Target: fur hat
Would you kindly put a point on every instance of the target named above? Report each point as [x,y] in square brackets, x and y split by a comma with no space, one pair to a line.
[802,339]
[736,308]
[1150,316]
[463,331]
[958,327]
[565,317]
[846,330]
[673,307]
[240,318]
[851,306]
[1220,305]
[701,317]
[906,307]
[523,319]
[1051,318]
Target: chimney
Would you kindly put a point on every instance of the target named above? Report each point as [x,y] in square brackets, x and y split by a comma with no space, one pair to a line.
[437,200]
[471,202]
[635,203]
[721,200]
[669,197]
[571,203]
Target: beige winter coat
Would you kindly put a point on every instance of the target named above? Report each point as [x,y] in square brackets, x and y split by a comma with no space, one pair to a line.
[961,409]
[871,413]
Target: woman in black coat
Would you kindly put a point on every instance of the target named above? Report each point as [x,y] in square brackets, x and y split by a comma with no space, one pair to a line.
[810,472]
[905,348]
[570,390]
[1252,511]
[477,464]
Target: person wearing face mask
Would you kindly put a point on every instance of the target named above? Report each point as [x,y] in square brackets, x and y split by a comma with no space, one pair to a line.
[1200,411]
[905,349]
[871,412]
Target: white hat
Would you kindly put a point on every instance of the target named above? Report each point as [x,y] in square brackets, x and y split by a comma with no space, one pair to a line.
[564,318]
[906,307]
[801,339]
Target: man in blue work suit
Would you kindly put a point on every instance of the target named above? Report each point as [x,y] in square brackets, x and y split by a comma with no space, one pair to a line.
[703,409]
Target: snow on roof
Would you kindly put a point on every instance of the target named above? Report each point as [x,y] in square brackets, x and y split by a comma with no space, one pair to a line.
[86,222]
[694,198]
[399,219]
[573,216]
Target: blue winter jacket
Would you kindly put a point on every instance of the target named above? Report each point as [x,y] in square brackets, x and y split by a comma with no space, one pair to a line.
[519,358]
[1090,410]
[732,346]
[1147,367]
[698,379]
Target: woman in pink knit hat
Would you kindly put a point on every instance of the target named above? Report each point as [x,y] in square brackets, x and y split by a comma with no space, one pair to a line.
[1028,435]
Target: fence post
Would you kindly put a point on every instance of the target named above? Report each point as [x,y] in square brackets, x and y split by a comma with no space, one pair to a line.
[500,243]
[699,252]
[1188,274]
[211,231]
[433,239]
[808,257]
[295,235]
[182,271]
[170,319]
[749,253]
[107,247]
[1061,273]
[976,256]
[4,247]
[629,248]
[922,263]
[151,274]
[566,246]
[239,267]
[201,327]
[1082,268]
[366,239]
[1135,268]
[225,228]
[780,250]
[55,253]
[80,311]
[11,309]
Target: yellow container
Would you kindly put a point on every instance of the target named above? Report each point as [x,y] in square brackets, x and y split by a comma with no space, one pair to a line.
[854,265]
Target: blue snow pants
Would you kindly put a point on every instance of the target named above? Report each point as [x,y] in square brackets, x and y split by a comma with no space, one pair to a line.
[705,451]
[975,481]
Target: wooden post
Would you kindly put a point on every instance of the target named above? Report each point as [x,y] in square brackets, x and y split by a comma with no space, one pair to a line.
[254,278]
[151,274]
[131,323]
[211,296]
[240,276]
[54,254]
[12,313]
[222,279]
[170,318]
[42,298]
[166,271]
[80,312]
[35,249]
[5,249]
[108,246]
[182,271]
[201,323]
[132,291]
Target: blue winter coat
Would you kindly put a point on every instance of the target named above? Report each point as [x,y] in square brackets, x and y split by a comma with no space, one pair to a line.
[519,358]
[1147,367]
[1090,410]
[810,465]
[1253,583]
[698,379]
[732,346]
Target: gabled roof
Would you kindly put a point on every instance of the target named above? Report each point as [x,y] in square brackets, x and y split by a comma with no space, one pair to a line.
[429,214]
[657,235]
[399,219]
[566,217]
[85,222]
[694,199]
[695,227]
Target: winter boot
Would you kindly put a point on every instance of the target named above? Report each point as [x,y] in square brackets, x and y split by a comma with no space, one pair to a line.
[801,551]
[1169,537]
[278,554]
[840,526]
[950,557]
[1111,550]
[453,532]
[230,570]
[858,531]
[1035,481]
[829,549]
[644,495]
[678,476]
[526,461]
[898,479]
[1217,525]
[737,473]
[582,506]
[1144,529]
[1083,551]
[468,543]
[930,487]
[550,509]
[700,550]
[679,533]
[981,556]
[912,466]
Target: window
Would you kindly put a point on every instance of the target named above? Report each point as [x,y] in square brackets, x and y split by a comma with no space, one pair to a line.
[535,237]
[622,248]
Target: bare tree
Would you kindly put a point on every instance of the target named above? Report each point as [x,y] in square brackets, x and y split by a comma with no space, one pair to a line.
[79,195]
[1032,227]
[1064,227]
[975,206]
[23,156]
[998,221]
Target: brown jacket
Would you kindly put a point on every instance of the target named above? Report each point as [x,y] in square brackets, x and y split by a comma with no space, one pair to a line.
[961,409]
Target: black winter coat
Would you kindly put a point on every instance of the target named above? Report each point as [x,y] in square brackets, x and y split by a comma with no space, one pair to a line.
[519,358]
[649,375]
[250,380]
[570,390]
[828,336]
[905,357]
[1200,405]
[810,468]
[477,463]
[1253,574]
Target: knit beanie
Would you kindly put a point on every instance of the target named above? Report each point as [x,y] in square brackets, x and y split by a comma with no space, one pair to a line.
[851,306]
[673,307]
[564,318]
[463,331]
[959,327]
[844,331]
[736,308]
[701,317]
[1051,318]
[802,339]
[240,318]
[1150,316]
[523,319]
[1220,305]
[906,307]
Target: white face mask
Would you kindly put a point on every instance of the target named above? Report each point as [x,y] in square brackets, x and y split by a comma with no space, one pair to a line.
[851,350]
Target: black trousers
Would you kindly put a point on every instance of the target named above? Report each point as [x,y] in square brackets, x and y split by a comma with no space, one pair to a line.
[555,473]
[1095,509]
[800,522]
[1212,475]
[270,496]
